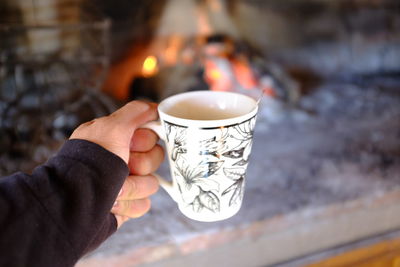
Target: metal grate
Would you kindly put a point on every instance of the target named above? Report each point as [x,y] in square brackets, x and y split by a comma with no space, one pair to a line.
[50,79]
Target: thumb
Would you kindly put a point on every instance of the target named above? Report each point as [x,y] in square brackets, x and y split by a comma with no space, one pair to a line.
[114,132]
[134,114]
[127,119]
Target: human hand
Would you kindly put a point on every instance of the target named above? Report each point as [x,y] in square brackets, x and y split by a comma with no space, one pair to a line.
[146,156]
[119,134]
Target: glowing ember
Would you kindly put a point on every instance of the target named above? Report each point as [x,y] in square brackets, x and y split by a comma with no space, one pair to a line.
[149,66]
[244,74]
[215,74]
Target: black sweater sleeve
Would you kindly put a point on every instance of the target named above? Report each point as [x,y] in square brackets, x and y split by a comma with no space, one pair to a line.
[62,211]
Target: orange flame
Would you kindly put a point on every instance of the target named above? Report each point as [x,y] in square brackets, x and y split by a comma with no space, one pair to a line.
[215,74]
[150,67]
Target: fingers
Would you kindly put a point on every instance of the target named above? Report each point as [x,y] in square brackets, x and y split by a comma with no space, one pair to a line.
[143,140]
[138,187]
[133,200]
[147,162]
[131,208]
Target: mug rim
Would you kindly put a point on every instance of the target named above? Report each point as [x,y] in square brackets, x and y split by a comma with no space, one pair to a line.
[207,124]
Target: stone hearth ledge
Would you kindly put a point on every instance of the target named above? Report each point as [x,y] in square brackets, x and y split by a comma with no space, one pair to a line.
[279,238]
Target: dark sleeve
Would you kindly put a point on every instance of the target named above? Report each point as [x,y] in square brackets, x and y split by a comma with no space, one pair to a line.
[62,211]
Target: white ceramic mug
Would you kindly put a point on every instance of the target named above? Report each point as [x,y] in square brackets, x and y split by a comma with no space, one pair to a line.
[208,137]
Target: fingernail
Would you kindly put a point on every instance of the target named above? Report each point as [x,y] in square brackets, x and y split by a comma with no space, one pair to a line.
[115,204]
[120,192]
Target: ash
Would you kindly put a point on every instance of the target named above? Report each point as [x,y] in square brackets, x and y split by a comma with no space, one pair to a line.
[341,141]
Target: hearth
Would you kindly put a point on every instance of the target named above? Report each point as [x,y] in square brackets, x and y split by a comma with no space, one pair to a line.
[57,71]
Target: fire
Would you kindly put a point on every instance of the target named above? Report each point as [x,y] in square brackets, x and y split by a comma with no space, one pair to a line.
[216,77]
[215,74]
[244,74]
[174,45]
[150,66]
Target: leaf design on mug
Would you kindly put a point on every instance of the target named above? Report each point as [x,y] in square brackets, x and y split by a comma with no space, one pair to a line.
[241,162]
[210,167]
[234,154]
[247,149]
[235,173]
[206,199]
[244,131]
[179,144]
[243,152]
[190,175]
[208,147]
[213,146]
[237,189]
[197,205]
[195,175]
[179,188]
[168,129]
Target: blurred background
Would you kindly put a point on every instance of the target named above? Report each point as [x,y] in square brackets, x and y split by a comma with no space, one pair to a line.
[56,55]
[329,70]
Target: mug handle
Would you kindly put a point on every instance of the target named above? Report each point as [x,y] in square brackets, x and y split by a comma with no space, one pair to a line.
[168,186]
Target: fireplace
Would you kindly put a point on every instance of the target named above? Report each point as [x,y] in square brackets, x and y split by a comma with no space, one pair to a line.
[337,58]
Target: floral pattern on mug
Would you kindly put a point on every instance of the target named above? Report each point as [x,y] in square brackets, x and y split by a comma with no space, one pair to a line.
[199,179]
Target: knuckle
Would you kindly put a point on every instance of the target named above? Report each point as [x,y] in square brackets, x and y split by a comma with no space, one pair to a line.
[139,105]
[146,169]
[160,150]
[114,133]
[142,165]
[88,123]
[132,187]
[80,132]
